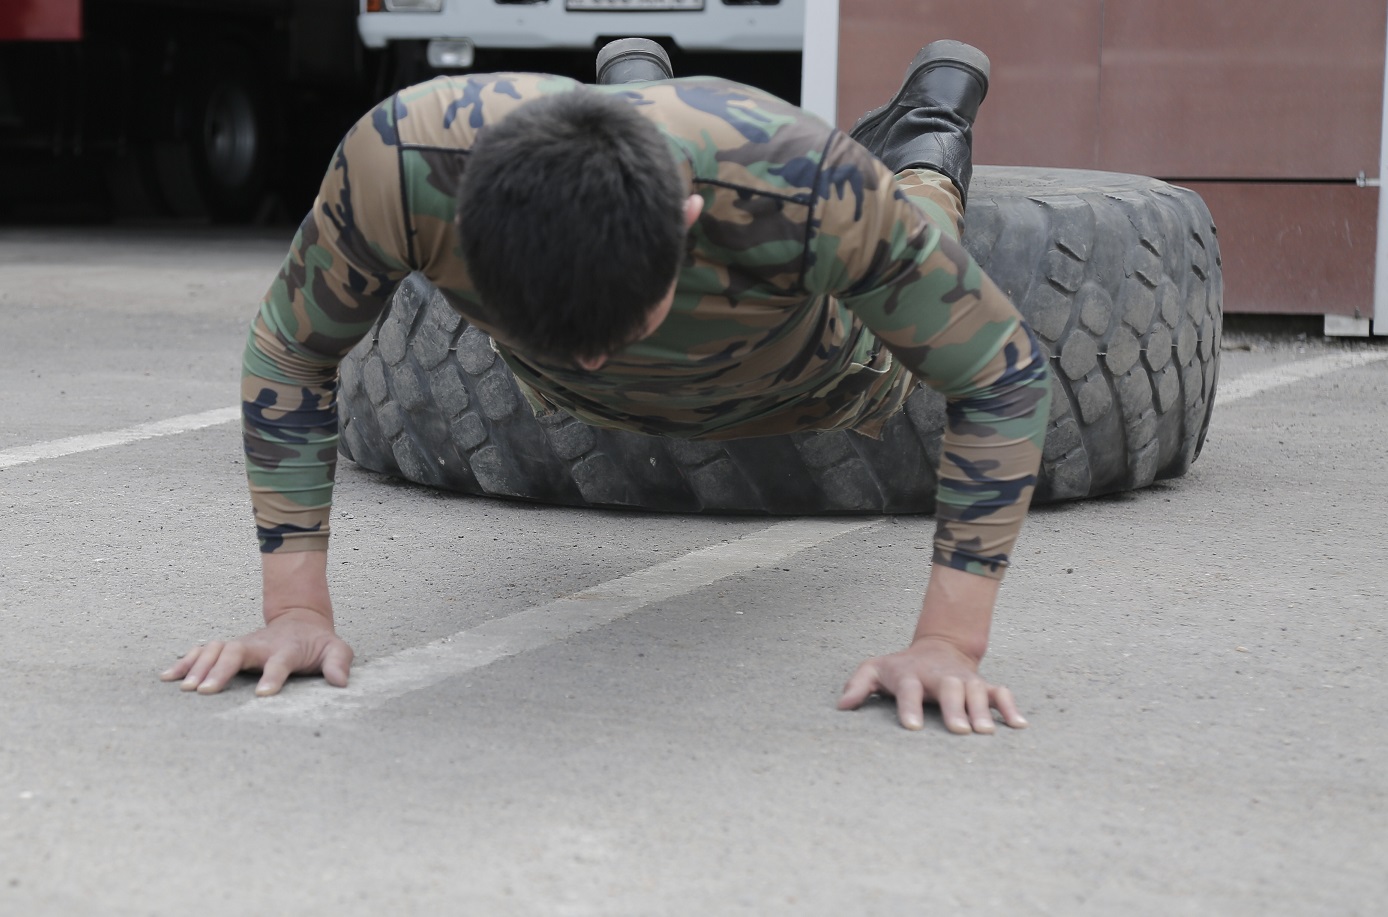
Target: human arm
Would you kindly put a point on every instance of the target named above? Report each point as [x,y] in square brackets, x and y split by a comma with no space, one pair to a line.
[990,454]
[341,269]
[926,299]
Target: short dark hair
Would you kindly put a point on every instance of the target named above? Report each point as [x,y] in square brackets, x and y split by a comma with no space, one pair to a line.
[571,220]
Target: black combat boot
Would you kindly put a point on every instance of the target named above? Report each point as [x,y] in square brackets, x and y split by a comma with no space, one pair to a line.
[929,122]
[633,60]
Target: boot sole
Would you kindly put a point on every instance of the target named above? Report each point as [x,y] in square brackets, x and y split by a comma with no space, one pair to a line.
[625,49]
[943,50]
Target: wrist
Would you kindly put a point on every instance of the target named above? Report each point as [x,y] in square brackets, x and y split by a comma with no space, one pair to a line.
[309,617]
[295,583]
[966,647]
[958,610]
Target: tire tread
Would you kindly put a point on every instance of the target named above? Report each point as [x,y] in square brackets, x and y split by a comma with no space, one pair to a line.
[1118,275]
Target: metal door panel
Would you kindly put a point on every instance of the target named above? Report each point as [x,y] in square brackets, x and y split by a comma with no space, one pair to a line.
[1242,88]
[1043,102]
[1295,247]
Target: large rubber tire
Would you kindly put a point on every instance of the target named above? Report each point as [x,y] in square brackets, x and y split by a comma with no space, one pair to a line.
[1118,274]
[225,155]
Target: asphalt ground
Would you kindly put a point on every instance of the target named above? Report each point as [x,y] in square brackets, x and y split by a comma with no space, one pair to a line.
[1201,664]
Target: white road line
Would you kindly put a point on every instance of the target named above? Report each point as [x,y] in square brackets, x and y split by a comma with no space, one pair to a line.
[23,455]
[1247,386]
[379,680]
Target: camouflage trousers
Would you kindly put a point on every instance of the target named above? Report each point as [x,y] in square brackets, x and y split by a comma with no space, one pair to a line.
[936,195]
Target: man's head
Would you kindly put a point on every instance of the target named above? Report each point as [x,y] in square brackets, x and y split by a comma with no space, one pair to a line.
[572,217]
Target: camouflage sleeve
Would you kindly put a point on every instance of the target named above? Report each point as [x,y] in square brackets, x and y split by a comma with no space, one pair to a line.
[931,304]
[341,268]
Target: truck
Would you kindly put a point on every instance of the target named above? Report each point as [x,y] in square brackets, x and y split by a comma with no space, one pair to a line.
[227,109]
[753,41]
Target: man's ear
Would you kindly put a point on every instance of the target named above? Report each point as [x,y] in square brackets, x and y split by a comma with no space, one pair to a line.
[693,206]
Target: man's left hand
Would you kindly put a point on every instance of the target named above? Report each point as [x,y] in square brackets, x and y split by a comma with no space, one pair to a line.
[933,669]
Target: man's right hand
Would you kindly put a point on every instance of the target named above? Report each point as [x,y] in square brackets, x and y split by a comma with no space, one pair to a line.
[298,637]
[297,642]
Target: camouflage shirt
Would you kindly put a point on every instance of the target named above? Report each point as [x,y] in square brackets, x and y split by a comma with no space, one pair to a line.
[814,292]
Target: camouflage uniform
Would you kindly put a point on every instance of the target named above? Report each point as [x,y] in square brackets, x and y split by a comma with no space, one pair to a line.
[815,291]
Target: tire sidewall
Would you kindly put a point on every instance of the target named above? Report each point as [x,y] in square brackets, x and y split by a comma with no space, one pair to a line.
[231,131]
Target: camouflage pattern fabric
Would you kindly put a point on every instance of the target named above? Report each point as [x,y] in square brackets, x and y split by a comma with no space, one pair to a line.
[817,290]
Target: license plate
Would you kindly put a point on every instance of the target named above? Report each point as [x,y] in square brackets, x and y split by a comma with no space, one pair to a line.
[632,6]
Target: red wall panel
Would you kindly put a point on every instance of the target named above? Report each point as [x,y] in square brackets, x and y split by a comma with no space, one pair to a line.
[1242,88]
[1295,247]
[1199,91]
[1042,106]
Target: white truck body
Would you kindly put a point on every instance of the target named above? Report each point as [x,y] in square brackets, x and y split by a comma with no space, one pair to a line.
[692,25]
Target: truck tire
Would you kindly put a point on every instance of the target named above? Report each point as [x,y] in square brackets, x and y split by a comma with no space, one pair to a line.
[1118,274]
[221,163]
